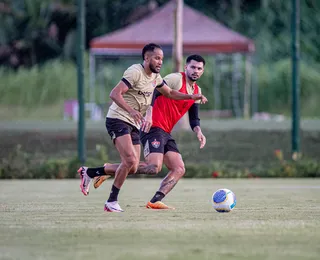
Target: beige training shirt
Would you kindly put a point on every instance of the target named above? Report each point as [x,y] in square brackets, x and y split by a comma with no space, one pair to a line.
[139,95]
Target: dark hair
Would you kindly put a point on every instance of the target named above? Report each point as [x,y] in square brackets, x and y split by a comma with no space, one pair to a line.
[197,58]
[150,47]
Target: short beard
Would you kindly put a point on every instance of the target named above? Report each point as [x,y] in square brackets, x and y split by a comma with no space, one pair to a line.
[152,69]
[193,80]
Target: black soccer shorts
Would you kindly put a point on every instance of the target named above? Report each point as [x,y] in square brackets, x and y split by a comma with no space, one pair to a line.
[157,141]
[117,127]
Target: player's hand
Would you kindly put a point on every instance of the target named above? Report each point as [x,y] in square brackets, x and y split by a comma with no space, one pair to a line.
[202,139]
[146,125]
[137,117]
[203,99]
[200,97]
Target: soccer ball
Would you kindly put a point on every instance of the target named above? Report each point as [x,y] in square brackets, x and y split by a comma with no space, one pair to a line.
[223,200]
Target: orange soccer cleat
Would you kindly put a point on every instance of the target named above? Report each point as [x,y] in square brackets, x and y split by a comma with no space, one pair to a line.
[97,181]
[158,205]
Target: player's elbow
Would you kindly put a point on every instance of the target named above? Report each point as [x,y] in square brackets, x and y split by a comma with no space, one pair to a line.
[113,95]
[168,94]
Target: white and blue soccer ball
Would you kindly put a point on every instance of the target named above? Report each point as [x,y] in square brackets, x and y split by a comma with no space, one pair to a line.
[224,200]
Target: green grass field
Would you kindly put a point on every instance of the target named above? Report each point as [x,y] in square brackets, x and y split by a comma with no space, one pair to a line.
[273,219]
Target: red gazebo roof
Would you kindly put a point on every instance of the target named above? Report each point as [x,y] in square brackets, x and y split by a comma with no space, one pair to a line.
[201,34]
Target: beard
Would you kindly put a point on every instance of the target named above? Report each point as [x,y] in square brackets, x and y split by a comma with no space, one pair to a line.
[192,78]
[153,68]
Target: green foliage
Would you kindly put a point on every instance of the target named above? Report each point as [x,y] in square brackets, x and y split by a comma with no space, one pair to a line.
[275,88]
[266,22]
[21,165]
[56,81]
[291,169]
[40,85]
[17,164]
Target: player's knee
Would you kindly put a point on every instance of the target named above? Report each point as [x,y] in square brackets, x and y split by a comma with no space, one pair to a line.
[134,168]
[131,162]
[181,170]
[157,168]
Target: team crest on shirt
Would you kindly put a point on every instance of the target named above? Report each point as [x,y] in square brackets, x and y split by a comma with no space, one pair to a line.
[154,83]
[155,143]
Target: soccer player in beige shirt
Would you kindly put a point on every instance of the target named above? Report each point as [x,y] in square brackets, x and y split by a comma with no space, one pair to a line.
[131,98]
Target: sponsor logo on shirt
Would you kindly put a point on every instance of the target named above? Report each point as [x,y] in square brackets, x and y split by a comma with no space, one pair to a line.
[145,93]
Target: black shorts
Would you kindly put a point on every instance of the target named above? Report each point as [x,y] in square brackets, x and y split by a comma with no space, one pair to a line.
[117,127]
[157,141]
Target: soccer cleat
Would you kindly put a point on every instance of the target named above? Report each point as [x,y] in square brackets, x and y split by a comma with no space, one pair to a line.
[97,181]
[112,207]
[85,180]
[100,179]
[158,205]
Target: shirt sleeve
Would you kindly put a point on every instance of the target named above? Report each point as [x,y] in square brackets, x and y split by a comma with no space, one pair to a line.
[131,77]
[174,80]
[194,119]
[155,95]
[159,81]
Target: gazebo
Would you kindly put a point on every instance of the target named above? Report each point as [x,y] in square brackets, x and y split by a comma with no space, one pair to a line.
[201,35]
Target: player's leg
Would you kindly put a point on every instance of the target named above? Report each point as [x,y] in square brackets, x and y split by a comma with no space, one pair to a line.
[154,155]
[154,144]
[114,128]
[129,162]
[110,169]
[175,165]
[141,167]
[173,160]
[120,133]
[128,147]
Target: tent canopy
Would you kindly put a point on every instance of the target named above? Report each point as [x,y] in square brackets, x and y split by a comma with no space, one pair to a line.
[201,35]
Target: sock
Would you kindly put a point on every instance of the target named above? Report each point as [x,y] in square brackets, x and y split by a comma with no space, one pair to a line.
[113,194]
[157,197]
[94,172]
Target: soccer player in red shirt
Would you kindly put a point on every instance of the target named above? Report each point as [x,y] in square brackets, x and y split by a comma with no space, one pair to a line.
[159,146]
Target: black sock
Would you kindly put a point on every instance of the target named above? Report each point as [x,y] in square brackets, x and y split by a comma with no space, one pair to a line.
[113,194]
[157,197]
[94,172]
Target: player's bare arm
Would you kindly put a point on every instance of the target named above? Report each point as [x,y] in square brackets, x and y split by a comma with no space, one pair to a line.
[200,136]
[145,127]
[174,94]
[203,99]
[194,121]
[116,95]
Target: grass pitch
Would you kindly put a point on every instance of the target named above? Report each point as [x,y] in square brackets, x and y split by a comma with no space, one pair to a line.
[273,219]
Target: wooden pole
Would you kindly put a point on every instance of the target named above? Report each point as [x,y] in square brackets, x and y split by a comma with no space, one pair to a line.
[178,42]
[178,52]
